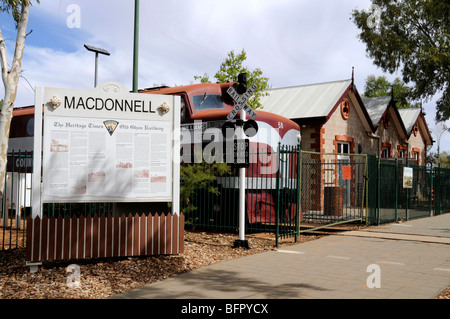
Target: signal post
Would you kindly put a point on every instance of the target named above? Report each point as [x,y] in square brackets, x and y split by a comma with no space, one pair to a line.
[240,95]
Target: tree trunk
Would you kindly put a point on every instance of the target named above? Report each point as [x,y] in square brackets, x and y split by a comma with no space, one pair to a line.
[10,80]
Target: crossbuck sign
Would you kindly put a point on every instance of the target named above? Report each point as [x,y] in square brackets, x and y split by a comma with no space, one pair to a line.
[241,101]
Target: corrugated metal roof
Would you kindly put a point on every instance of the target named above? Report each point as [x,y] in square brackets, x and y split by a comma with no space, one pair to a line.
[304,101]
[376,106]
[409,117]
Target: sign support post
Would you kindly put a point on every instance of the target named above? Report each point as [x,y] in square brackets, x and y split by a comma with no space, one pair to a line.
[242,242]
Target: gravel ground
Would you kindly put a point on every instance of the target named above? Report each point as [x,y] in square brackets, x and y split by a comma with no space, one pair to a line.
[103,278]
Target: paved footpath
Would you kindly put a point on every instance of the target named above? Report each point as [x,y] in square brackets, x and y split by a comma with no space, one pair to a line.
[396,261]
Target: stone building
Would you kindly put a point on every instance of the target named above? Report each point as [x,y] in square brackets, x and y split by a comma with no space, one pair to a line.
[334,118]
[336,121]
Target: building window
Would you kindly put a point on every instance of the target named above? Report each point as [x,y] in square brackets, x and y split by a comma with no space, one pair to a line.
[402,151]
[415,153]
[343,148]
[345,109]
[344,144]
[386,150]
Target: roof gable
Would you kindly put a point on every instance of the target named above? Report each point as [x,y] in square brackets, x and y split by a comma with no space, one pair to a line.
[413,116]
[313,101]
[305,101]
[409,117]
[377,107]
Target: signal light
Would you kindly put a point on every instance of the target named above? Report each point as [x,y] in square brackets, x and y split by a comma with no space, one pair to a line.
[250,128]
[242,86]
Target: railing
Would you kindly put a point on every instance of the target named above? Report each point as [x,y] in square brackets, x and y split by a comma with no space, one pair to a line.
[272,196]
[311,190]
[16,202]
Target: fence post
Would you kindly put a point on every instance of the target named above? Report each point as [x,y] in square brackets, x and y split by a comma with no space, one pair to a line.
[407,192]
[431,189]
[378,190]
[396,189]
[299,203]
[372,189]
[437,191]
[277,213]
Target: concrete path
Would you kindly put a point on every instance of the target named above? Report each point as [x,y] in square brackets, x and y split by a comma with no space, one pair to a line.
[406,260]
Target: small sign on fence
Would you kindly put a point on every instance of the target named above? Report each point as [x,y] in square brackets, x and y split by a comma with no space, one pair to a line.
[407,177]
[346,172]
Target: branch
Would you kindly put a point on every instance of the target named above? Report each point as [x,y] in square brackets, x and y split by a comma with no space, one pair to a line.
[3,62]
[414,18]
[20,40]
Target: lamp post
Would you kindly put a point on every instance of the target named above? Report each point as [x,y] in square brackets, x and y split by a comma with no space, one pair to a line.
[97,51]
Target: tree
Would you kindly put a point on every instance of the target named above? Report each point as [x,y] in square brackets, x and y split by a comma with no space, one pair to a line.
[411,36]
[433,159]
[229,71]
[380,86]
[19,10]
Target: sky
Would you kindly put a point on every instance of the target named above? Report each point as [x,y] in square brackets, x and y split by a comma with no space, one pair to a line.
[293,42]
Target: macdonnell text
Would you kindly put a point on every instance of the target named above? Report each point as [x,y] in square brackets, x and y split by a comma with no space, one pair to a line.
[117,105]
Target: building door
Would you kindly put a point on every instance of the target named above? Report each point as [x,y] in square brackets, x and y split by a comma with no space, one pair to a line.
[343,166]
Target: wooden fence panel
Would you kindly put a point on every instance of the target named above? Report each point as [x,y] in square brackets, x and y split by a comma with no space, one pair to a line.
[51,238]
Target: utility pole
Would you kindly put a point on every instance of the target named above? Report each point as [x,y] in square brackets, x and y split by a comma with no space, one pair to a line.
[136,46]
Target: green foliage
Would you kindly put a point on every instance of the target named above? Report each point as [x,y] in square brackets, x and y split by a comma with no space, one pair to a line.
[199,176]
[229,71]
[412,36]
[433,159]
[14,7]
[380,86]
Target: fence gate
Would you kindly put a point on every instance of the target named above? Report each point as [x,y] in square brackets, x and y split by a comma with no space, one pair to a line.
[333,188]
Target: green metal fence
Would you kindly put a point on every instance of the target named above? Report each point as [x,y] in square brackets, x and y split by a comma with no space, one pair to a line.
[393,199]
[441,187]
[272,196]
[333,188]
[307,189]
[16,201]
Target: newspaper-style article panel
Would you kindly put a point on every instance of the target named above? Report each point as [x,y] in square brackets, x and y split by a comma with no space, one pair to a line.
[93,159]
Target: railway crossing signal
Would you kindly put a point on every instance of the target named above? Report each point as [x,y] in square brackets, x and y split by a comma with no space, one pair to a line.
[241,145]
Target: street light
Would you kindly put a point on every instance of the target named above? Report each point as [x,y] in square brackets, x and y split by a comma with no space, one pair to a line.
[97,51]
